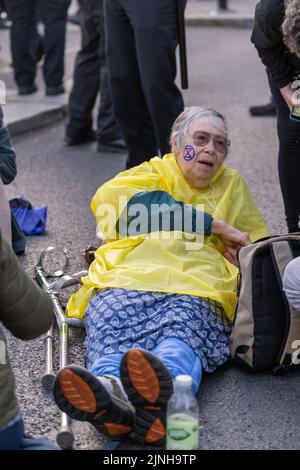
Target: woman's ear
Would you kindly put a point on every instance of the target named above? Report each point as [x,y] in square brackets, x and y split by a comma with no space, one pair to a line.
[175,149]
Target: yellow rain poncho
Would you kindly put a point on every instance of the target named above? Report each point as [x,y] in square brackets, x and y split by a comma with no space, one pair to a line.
[168,262]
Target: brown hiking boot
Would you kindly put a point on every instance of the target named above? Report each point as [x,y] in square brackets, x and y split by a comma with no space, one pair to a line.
[149,386]
[82,396]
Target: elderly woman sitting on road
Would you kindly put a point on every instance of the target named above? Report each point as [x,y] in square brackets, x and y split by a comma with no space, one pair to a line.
[161,293]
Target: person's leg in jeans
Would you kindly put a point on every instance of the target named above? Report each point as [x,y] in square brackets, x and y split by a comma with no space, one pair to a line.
[107,365]
[147,380]
[30,443]
[180,359]
[288,160]
[177,356]
[12,434]
[12,438]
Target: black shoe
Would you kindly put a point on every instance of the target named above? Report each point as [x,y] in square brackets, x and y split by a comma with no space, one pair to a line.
[55,90]
[115,146]
[27,90]
[149,386]
[264,110]
[80,139]
[82,396]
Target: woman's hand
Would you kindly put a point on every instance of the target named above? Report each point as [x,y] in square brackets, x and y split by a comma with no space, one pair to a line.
[231,255]
[231,237]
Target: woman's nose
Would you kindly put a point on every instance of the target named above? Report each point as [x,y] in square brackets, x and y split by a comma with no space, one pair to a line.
[209,147]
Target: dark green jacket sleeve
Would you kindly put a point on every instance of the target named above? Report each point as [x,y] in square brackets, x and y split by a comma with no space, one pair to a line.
[8,168]
[155,211]
[25,310]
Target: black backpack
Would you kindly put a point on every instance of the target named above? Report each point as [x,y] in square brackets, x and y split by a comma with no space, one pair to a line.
[266,327]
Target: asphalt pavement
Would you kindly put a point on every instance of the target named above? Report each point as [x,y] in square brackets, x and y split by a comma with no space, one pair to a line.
[237,410]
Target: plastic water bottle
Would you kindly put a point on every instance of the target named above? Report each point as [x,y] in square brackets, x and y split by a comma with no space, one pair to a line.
[183,416]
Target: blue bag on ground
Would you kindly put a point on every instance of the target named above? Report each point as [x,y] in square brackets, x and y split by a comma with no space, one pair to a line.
[32,220]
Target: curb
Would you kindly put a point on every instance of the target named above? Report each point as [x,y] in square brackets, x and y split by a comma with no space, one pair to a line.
[38,120]
[242,22]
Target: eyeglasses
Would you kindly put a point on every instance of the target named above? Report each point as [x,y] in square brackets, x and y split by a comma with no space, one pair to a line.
[201,138]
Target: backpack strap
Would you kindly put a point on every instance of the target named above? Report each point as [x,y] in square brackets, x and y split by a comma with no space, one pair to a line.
[281,255]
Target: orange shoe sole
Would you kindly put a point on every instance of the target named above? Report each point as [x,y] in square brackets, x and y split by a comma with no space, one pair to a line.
[81,396]
[149,386]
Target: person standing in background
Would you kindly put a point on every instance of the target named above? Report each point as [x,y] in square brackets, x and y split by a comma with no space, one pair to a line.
[90,77]
[53,14]
[276,36]
[141,40]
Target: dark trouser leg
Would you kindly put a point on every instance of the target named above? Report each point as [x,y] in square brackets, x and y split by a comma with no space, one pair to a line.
[128,98]
[90,74]
[155,29]
[107,128]
[288,160]
[86,74]
[54,16]
[22,33]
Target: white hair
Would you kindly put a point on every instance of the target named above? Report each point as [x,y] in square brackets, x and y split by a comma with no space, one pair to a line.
[185,119]
[291,27]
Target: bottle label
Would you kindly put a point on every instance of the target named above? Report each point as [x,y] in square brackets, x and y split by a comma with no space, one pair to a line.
[182,432]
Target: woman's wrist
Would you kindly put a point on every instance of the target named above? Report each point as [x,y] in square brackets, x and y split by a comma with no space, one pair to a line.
[217,227]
